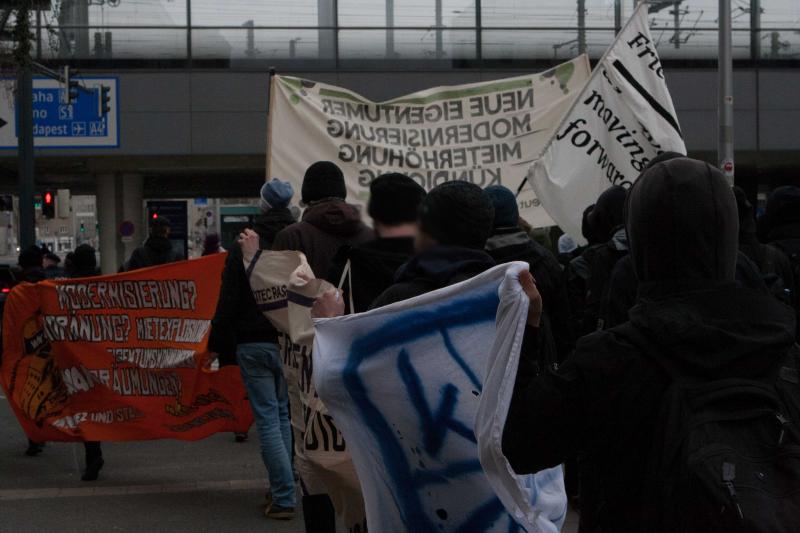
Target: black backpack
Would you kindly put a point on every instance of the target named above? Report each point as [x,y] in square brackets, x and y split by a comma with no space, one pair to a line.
[726,454]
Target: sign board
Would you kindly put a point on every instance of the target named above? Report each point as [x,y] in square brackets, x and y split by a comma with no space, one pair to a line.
[56,124]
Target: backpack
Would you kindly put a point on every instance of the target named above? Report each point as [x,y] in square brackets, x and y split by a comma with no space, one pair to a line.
[726,453]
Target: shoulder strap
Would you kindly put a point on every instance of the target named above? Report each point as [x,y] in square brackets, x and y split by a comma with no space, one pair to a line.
[348,274]
[252,265]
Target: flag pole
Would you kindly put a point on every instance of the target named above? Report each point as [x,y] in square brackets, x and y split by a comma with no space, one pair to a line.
[725,102]
[270,102]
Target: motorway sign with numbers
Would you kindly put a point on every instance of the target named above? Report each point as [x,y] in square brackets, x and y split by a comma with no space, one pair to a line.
[58,124]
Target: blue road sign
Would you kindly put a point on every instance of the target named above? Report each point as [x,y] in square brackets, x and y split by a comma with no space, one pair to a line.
[81,123]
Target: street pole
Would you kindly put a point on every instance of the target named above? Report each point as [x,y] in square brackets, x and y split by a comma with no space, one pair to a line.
[725,102]
[24,105]
[755,29]
[438,22]
[581,26]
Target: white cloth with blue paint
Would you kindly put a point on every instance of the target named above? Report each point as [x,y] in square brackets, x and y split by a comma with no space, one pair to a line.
[420,389]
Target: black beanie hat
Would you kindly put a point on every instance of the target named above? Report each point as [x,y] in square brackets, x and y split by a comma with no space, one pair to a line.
[394,199]
[323,180]
[506,211]
[457,213]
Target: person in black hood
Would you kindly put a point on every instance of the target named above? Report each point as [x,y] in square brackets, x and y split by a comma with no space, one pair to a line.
[683,227]
[455,220]
[780,226]
[588,275]
[509,243]
[241,333]
[394,201]
[156,250]
[328,222]
[772,263]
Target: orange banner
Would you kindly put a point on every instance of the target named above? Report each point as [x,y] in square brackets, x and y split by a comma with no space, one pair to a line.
[116,358]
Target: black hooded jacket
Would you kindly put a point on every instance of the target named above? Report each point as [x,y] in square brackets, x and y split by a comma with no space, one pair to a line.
[372,269]
[326,226]
[601,402]
[238,319]
[155,251]
[512,244]
[433,269]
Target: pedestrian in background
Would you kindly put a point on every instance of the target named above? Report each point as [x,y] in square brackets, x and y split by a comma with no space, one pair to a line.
[211,245]
[156,250]
[239,328]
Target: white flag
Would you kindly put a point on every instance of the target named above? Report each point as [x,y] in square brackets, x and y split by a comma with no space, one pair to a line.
[622,119]
[421,390]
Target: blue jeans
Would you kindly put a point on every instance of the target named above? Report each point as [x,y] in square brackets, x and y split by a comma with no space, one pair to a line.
[260,364]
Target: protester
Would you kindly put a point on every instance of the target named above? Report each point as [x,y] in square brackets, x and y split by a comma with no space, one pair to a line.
[240,328]
[780,227]
[328,221]
[84,265]
[588,275]
[50,262]
[510,243]
[456,220]
[156,250]
[774,266]
[394,202]
[211,245]
[691,322]
[30,270]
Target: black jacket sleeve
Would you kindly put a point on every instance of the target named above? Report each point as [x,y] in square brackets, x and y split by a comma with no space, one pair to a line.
[223,326]
[540,427]
[556,303]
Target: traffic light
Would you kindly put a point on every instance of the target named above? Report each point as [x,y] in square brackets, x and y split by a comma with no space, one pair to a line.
[70,87]
[104,102]
[155,216]
[48,204]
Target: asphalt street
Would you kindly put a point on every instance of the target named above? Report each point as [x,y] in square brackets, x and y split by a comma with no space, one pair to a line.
[211,485]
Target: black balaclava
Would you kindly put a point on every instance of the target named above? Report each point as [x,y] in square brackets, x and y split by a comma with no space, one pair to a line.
[682,223]
[608,213]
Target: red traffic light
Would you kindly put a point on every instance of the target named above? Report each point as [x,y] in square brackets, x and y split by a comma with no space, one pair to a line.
[155,216]
[48,197]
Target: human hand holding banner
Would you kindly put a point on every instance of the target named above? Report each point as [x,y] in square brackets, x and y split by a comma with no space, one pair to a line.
[421,390]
